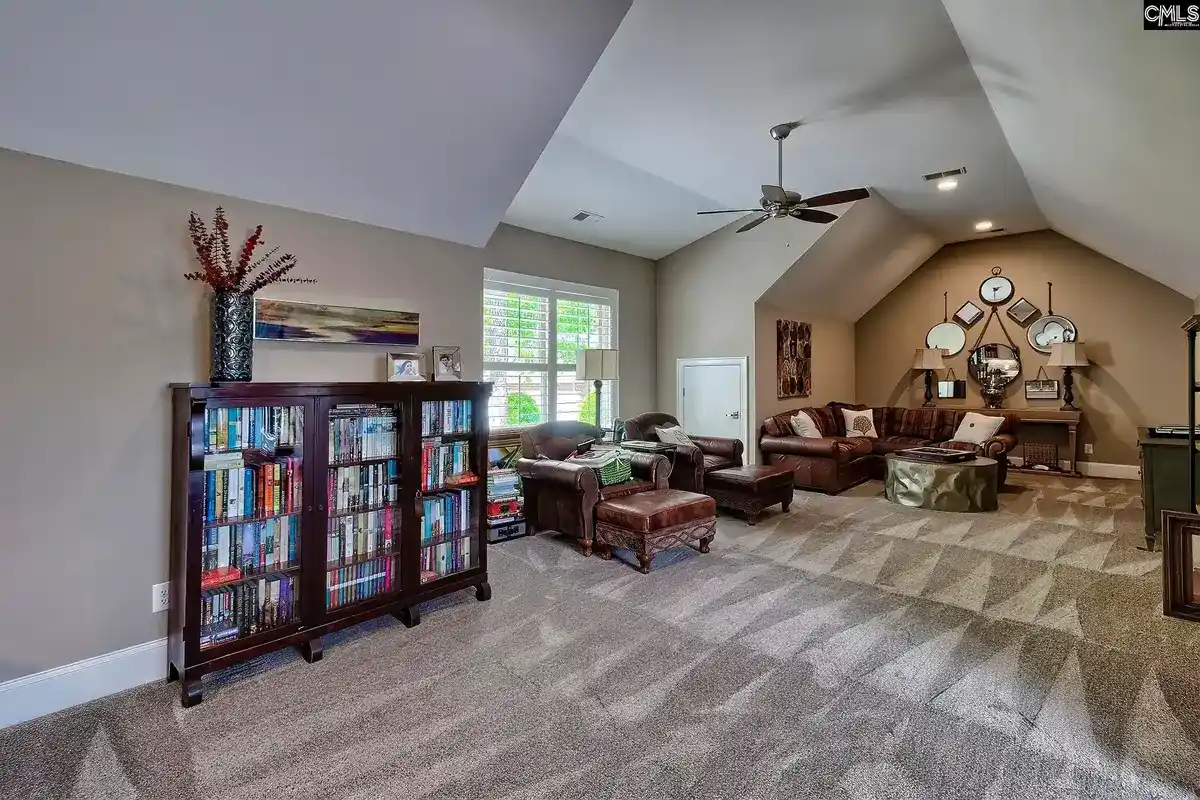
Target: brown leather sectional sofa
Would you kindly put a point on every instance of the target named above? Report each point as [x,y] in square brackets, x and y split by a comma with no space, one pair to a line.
[836,462]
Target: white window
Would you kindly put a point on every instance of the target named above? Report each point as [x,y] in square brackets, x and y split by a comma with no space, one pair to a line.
[532,328]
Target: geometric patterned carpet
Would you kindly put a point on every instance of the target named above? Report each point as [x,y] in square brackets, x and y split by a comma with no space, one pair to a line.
[848,649]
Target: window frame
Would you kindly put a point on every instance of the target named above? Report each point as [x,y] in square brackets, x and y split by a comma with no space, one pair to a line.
[553,290]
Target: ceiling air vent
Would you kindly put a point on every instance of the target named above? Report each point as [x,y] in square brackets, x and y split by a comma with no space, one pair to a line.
[586,216]
[933,176]
[993,230]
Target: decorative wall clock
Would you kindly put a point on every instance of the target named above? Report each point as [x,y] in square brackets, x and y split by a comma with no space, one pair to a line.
[996,290]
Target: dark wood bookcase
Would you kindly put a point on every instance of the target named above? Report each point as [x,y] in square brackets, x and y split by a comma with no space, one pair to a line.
[301,508]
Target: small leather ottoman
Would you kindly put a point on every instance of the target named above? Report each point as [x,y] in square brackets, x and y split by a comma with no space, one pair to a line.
[650,522]
[751,489]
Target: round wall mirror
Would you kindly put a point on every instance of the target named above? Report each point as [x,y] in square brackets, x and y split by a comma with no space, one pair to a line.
[947,336]
[994,366]
[1048,330]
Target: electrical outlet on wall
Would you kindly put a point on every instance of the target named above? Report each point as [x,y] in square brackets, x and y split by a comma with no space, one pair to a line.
[1087,449]
[160,597]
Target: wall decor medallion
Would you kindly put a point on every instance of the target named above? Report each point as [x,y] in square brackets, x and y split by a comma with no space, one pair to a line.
[447,363]
[406,366]
[1022,312]
[233,283]
[968,314]
[996,290]
[793,356]
[314,322]
[1051,328]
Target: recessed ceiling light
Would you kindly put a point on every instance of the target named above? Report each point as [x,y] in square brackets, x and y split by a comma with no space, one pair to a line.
[985,225]
[946,184]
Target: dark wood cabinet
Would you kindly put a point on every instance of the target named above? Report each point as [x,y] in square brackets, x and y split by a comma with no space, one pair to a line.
[299,509]
[1164,462]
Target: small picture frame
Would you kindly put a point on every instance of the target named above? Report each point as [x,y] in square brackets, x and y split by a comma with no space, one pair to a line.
[968,314]
[406,366]
[1022,312]
[447,363]
[1042,389]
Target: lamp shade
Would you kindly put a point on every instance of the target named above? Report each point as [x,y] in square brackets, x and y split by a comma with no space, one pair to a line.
[928,358]
[596,365]
[1067,354]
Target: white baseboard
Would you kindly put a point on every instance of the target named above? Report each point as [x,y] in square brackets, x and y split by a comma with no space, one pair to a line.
[1097,469]
[33,696]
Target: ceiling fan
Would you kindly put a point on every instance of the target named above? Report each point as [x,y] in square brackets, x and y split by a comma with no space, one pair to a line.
[779,203]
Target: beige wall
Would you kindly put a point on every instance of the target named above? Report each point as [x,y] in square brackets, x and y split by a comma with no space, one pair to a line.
[529,253]
[1129,323]
[833,362]
[96,320]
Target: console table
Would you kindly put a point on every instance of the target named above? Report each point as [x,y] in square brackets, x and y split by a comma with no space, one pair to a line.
[1046,416]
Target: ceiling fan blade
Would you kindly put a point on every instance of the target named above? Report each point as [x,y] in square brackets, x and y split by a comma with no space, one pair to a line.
[813,215]
[731,211]
[750,225]
[836,198]
[775,194]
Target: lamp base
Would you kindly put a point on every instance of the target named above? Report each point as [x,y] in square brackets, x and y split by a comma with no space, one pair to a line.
[928,389]
[598,384]
[1068,390]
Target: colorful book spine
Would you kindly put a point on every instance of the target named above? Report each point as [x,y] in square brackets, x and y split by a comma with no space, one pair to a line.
[358,433]
[247,608]
[265,490]
[446,417]
[357,582]
[441,462]
[230,429]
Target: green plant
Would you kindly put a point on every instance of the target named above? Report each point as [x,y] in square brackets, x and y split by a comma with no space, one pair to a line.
[587,410]
[522,410]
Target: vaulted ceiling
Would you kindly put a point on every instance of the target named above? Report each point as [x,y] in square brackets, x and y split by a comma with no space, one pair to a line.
[444,118]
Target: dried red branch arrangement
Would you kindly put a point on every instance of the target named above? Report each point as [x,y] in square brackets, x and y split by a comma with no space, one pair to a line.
[222,273]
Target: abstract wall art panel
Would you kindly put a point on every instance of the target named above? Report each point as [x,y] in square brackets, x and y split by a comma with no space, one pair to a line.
[794,358]
[313,322]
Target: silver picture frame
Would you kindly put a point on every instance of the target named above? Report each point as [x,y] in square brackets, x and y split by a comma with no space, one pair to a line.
[1041,390]
[447,363]
[1022,312]
[968,314]
[406,367]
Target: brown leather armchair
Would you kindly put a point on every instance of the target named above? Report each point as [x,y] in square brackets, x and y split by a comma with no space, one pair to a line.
[690,463]
[561,495]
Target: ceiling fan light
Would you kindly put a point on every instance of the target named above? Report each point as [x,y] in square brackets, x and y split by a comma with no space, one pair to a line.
[983,225]
[947,184]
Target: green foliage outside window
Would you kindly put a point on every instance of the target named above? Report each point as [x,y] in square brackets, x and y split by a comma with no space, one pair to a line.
[587,411]
[522,410]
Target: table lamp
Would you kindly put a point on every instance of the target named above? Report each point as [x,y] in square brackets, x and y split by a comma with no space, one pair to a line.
[928,359]
[596,366]
[1070,356]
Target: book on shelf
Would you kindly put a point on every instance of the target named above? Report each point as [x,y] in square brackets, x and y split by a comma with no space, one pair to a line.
[251,548]
[446,417]
[363,486]
[445,514]
[262,427]
[447,558]
[246,492]
[358,582]
[503,483]
[443,463]
[353,536]
[362,432]
[246,608]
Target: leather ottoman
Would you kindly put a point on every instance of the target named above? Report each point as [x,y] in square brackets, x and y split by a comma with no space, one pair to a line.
[751,489]
[651,522]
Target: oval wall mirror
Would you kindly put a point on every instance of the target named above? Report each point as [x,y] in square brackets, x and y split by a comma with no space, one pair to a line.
[1048,330]
[947,336]
[994,366]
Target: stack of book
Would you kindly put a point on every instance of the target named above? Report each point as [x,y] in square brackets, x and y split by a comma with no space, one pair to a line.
[361,432]
[445,417]
[505,517]
[447,558]
[444,463]
[246,608]
[446,516]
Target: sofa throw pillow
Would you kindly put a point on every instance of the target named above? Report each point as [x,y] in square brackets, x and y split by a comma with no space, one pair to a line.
[803,425]
[977,428]
[611,467]
[673,435]
[860,423]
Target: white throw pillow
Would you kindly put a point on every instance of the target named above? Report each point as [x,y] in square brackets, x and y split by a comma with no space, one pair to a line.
[860,423]
[803,425]
[673,435]
[977,428]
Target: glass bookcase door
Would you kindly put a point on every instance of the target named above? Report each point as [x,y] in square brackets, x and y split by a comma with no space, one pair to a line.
[450,490]
[253,502]
[362,501]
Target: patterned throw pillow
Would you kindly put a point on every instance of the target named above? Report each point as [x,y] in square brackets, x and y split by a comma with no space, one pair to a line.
[860,423]
[611,468]
[673,435]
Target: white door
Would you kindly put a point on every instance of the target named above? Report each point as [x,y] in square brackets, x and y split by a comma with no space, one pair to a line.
[712,397]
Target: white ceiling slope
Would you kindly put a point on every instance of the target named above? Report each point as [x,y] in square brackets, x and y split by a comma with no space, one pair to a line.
[420,116]
[676,113]
[1104,117]
[883,245]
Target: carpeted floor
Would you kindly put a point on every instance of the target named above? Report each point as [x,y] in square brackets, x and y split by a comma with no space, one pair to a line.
[848,649]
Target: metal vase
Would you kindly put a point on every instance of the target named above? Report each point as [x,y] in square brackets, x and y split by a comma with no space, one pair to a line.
[232,336]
